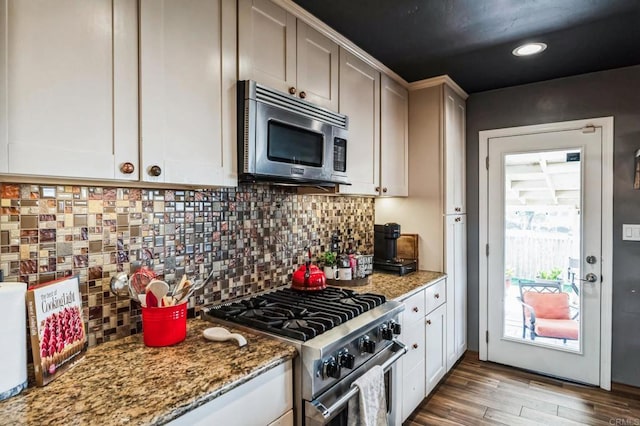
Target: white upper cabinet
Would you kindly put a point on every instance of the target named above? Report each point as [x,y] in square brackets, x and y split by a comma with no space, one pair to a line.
[188,76]
[360,101]
[454,152]
[266,44]
[286,54]
[394,146]
[317,70]
[68,107]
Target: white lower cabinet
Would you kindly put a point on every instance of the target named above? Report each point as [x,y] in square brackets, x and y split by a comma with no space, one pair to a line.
[413,386]
[435,338]
[264,400]
[424,331]
[285,420]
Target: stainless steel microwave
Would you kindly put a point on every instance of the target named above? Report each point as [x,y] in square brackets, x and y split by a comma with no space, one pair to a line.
[283,139]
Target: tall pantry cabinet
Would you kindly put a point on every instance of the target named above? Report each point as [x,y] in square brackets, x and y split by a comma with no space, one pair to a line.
[455,223]
[436,206]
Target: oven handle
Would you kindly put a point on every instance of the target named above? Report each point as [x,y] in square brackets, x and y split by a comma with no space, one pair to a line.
[328,412]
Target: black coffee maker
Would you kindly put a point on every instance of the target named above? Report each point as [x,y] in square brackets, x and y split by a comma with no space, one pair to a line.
[385,250]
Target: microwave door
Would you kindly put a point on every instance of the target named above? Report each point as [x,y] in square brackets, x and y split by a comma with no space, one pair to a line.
[289,145]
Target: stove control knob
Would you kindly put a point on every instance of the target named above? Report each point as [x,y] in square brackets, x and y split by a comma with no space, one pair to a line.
[367,346]
[331,368]
[386,332]
[347,360]
[395,327]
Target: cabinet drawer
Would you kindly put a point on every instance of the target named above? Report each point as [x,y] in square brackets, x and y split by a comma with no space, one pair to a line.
[414,308]
[436,295]
[413,389]
[413,336]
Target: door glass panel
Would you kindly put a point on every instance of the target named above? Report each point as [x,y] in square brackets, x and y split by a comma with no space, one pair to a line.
[542,248]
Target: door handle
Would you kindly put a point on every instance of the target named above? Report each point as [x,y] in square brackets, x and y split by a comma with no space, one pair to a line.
[590,278]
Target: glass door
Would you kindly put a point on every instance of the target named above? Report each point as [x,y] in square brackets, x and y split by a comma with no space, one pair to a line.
[544,235]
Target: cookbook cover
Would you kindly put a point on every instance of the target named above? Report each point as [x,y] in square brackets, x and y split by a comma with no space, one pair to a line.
[57,331]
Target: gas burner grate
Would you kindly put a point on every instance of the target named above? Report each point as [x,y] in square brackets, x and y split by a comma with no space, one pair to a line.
[295,314]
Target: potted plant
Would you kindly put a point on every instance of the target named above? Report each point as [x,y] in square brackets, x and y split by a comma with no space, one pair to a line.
[328,259]
[508,274]
[554,275]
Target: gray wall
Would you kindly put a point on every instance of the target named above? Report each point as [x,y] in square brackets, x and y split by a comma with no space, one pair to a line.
[609,93]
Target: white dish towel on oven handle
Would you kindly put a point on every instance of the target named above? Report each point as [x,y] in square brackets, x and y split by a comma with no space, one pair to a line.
[370,407]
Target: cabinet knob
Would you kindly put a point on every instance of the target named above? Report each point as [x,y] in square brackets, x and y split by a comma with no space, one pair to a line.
[457,219]
[437,295]
[292,90]
[428,322]
[155,171]
[127,168]
[414,346]
[458,209]
[384,190]
[415,309]
[303,95]
[377,189]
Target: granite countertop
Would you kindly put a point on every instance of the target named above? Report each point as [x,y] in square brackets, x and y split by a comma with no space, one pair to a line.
[125,382]
[396,287]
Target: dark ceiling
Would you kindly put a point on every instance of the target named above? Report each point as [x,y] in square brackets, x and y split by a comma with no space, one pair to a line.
[472,40]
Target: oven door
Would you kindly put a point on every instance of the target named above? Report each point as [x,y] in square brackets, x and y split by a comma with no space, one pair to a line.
[292,145]
[332,407]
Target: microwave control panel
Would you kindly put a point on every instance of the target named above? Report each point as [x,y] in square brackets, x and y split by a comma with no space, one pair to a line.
[339,155]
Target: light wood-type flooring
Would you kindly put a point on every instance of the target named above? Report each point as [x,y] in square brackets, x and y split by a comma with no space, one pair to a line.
[484,393]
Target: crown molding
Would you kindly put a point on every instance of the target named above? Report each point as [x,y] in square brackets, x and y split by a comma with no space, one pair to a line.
[300,13]
[436,81]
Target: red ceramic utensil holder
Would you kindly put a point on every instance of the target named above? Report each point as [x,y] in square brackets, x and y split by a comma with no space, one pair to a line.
[164,326]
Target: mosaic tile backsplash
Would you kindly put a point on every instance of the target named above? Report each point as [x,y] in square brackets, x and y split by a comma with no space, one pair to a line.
[252,237]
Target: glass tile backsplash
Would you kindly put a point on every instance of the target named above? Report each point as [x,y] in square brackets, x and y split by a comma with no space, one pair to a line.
[252,237]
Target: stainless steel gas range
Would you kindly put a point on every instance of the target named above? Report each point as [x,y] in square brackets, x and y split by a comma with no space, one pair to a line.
[339,334]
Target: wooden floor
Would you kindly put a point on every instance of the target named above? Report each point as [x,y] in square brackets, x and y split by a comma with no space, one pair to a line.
[484,393]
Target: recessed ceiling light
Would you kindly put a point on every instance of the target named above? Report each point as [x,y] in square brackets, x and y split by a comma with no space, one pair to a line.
[529,49]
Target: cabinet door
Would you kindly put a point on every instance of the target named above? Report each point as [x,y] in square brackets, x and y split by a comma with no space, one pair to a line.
[187,61]
[285,420]
[266,44]
[317,67]
[413,391]
[456,270]
[435,359]
[68,107]
[413,337]
[360,101]
[454,152]
[264,399]
[394,148]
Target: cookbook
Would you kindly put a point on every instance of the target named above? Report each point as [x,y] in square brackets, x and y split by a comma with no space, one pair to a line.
[58,337]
